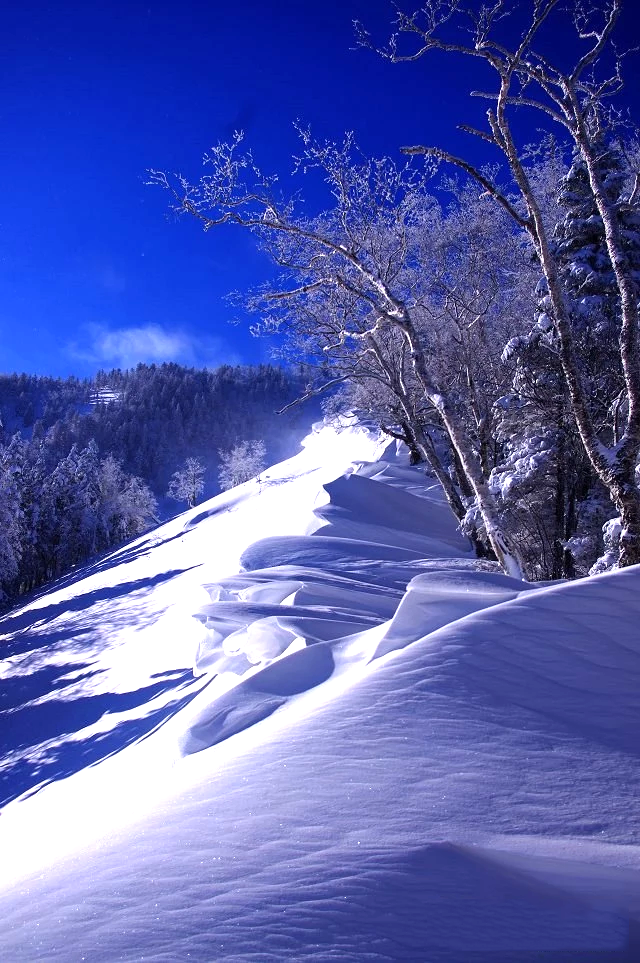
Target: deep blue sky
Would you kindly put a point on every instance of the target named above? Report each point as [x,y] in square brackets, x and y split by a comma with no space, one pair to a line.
[92,272]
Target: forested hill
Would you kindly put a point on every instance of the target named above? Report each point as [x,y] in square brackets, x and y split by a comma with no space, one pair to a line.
[152,417]
[82,463]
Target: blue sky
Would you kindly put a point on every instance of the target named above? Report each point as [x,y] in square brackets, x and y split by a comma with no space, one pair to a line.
[92,272]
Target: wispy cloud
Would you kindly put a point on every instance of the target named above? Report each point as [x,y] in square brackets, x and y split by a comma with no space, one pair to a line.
[103,346]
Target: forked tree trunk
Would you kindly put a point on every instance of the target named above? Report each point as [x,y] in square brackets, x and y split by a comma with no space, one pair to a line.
[503,547]
[421,439]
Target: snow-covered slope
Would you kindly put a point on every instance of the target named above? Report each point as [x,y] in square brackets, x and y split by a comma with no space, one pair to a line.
[300,722]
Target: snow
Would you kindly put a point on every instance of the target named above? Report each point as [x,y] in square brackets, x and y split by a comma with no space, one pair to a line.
[301,722]
[104,396]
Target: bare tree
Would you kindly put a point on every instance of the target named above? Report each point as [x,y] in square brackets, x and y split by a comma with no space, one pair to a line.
[576,100]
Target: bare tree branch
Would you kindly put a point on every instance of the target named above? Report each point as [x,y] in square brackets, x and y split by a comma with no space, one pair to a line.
[314,392]
[477,175]
[601,37]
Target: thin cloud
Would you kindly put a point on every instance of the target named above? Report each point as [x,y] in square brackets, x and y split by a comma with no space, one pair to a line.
[103,346]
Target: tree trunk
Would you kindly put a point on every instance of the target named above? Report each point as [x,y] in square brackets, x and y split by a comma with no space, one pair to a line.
[626,498]
[421,438]
[568,563]
[505,551]
[557,566]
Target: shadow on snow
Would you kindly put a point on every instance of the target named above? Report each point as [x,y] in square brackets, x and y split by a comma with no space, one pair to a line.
[31,619]
[102,563]
[32,725]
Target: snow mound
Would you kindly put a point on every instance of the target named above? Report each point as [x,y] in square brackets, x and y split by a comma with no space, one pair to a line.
[255,698]
[559,653]
[328,552]
[439,597]
[358,504]
[392,752]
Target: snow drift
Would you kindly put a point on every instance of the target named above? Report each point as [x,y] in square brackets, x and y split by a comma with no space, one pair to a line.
[386,750]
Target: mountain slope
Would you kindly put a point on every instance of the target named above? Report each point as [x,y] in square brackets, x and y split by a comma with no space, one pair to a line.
[387,751]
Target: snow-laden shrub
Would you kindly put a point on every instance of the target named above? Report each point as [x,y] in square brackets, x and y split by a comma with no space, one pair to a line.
[240,463]
[611,532]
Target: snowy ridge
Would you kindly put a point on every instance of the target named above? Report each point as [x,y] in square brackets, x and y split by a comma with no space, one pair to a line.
[387,750]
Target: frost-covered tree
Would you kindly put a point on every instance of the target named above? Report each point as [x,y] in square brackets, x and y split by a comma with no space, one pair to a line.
[575,97]
[579,245]
[542,476]
[241,463]
[57,512]
[64,530]
[358,270]
[480,291]
[124,505]
[11,516]
[542,444]
[187,483]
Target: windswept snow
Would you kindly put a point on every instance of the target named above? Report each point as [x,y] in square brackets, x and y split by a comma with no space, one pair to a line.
[301,722]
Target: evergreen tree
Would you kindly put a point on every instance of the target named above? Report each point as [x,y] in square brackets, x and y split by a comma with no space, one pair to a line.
[10,518]
[541,447]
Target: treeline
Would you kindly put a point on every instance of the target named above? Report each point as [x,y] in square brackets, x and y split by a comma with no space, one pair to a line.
[82,463]
[56,511]
[155,416]
[489,316]
[165,413]
[31,404]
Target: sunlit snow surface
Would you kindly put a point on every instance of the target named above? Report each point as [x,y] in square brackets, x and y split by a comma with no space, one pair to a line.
[300,722]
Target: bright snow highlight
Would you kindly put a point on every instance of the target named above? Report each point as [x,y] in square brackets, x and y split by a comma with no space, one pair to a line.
[301,722]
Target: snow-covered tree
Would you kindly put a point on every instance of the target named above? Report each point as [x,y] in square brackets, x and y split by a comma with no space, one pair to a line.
[55,512]
[541,442]
[11,516]
[64,530]
[527,75]
[241,463]
[124,505]
[579,245]
[187,483]
[358,271]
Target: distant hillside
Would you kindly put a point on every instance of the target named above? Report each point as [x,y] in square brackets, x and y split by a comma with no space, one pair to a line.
[81,462]
[152,417]
[30,400]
